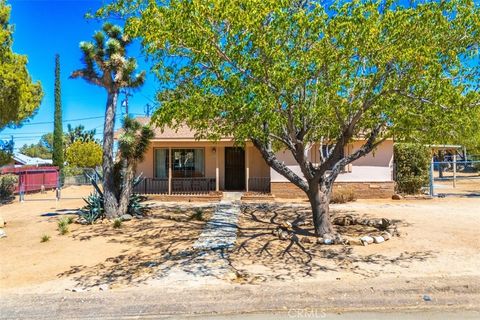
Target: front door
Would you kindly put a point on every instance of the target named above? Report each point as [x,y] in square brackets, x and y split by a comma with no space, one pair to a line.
[234,169]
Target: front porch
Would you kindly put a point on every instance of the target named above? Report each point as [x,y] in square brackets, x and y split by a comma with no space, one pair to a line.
[195,186]
[190,168]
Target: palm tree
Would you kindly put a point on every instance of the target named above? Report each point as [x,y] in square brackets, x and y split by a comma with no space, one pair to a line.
[106,65]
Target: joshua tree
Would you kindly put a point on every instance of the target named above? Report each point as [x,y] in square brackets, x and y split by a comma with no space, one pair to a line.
[132,143]
[106,65]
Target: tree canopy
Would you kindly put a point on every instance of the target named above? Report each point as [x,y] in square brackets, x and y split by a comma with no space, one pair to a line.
[298,74]
[19,95]
[84,154]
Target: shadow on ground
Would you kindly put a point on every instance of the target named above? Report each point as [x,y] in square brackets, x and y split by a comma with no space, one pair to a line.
[155,244]
[261,256]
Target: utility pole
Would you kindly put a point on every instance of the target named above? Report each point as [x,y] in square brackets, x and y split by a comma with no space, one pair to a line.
[148,109]
[125,101]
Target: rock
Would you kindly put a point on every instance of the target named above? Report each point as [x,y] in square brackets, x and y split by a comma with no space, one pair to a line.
[386,236]
[426,297]
[126,217]
[385,223]
[378,239]
[2,222]
[103,287]
[78,289]
[305,240]
[275,232]
[283,235]
[328,241]
[354,242]
[328,236]
[319,240]
[3,234]
[338,239]
[367,239]
[286,225]
[396,196]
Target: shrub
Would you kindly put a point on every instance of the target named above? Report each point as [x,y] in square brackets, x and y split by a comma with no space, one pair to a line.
[412,165]
[94,209]
[63,225]
[117,223]
[197,214]
[45,238]
[7,185]
[343,196]
[84,154]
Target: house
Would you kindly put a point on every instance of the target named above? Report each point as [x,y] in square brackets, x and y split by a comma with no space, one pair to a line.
[20,160]
[176,164]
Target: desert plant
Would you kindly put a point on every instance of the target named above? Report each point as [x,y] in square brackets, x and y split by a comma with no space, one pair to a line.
[117,223]
[63,225]
[45,238]
[197,214]
[343,196]
[7,185]
[412,164]
[94,208]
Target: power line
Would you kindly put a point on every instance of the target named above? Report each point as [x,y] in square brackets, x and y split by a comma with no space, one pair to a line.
[70,120]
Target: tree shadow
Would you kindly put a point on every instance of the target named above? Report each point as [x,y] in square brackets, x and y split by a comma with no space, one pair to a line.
[260,255]
[154,245]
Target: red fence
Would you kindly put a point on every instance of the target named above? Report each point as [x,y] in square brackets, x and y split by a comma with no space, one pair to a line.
[34,178]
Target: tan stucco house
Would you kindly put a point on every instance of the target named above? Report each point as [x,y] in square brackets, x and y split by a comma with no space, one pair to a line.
[178,165]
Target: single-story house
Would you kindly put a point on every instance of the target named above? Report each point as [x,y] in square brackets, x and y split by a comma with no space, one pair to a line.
[20,160]
[178,164]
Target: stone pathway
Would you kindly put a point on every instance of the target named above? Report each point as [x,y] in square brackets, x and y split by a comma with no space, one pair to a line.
[209,258]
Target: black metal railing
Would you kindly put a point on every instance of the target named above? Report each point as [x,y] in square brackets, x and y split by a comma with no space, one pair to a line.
[152,186]
[179,186]
[259,184]
[192,185]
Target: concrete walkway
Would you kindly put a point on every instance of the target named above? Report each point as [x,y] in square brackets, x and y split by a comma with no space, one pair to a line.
[208,261]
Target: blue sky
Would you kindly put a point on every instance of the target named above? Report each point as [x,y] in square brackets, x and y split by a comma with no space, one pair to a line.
[46,27]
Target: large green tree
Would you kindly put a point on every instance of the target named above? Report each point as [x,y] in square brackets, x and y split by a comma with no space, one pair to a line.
[106,65]
[19,95]
[57,153]
[311,74]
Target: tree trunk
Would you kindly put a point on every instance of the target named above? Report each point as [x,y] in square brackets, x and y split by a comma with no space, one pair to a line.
[126,190]
[320,201]
[110,200]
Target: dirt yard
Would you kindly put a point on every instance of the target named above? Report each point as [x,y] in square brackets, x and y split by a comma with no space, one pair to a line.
[439,239]
[89,255]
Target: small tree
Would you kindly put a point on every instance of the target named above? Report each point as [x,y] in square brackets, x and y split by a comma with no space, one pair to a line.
[78,134]
[311,74]
[19,95]
[57,153]
[106,65]
[412,167]
[84,154]
[133,142]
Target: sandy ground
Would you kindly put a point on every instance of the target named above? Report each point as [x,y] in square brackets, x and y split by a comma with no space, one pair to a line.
[88,256]
[438,253]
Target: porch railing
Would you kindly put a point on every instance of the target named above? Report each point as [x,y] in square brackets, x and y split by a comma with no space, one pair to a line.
[179,186]
[259,184]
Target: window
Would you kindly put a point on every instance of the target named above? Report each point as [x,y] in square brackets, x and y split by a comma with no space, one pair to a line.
[185,163]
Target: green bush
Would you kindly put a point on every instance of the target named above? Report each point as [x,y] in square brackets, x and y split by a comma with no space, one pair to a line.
[7,185]
[412,166]
[84,154]
[63,224]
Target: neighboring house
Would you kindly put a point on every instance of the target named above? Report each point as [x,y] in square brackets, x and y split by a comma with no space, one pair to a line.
[178,164]
[20,160]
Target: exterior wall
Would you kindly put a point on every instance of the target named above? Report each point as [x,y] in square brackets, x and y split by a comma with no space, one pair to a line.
[256,164]
[362,190]
[374,167]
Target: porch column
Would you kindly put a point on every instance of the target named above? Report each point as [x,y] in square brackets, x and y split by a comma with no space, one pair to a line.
[170,170]
[247,168]
[217,170]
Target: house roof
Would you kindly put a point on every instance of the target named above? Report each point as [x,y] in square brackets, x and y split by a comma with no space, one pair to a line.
[30,161]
